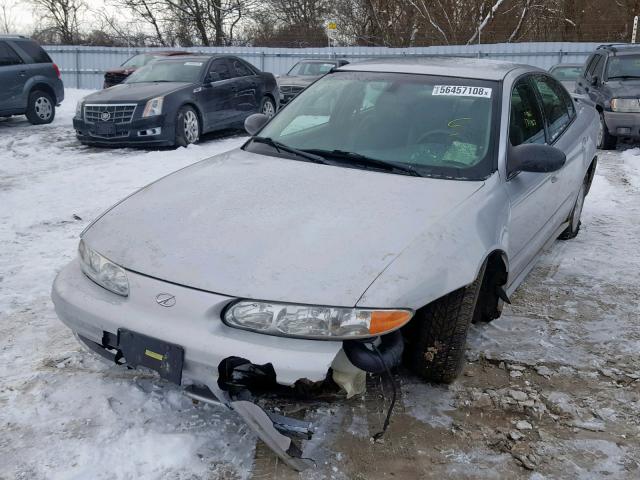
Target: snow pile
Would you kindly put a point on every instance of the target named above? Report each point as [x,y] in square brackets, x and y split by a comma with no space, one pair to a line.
[64,414]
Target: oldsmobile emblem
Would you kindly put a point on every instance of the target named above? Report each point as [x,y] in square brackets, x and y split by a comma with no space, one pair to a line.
[165,299]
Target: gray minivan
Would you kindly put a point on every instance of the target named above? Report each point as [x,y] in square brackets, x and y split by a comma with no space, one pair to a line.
[31,83]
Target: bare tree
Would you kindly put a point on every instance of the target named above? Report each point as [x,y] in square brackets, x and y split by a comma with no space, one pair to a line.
[7,16]
[61,17]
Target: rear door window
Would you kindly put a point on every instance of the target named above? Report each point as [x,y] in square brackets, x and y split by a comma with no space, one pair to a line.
[8,56]
[553,105]
[525,123]
[35,51]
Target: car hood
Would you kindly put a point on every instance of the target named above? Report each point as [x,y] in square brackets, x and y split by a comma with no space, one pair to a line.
[624,88]
[135,92]
[260,227]
[300,80]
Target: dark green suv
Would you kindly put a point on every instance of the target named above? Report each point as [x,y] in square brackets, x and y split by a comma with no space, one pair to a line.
[611,78]
[30,81]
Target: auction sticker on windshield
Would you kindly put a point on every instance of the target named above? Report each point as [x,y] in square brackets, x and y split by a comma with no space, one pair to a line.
[193,64]
[462,91]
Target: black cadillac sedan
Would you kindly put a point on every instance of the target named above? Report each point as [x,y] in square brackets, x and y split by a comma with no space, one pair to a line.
[174,101]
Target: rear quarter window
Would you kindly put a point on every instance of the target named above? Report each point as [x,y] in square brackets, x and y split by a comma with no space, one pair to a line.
[34,51]
[8,56]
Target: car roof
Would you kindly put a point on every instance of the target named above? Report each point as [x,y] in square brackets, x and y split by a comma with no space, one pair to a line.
[571,65]
[10,36]
[620,48]
[322,60]
[441,66]
[192,56]
[169,53]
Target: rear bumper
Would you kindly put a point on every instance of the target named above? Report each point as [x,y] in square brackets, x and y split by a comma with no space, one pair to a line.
[194,323]
[128,134]
[623,124]
[58,88]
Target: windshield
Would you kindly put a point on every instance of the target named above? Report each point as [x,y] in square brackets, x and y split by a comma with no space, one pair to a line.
[168,71]
[623,66]
[437,126]
[566,73]
[138,61]
[311,68]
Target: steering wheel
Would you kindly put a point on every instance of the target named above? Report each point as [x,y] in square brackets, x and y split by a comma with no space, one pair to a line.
[442,134]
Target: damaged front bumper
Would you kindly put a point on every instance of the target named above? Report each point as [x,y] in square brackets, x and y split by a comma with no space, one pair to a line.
[217,364]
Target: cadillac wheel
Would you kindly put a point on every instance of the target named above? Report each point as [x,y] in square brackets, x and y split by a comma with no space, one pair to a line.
[187,126]
[268,108]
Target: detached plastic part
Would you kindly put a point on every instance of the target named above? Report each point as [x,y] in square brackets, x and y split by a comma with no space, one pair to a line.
[268,426]
[347,376]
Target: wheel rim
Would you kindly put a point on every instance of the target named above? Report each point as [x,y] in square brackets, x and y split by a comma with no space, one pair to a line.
[191,129]
[268,109]
[601,132]
[577,211]
[43,108]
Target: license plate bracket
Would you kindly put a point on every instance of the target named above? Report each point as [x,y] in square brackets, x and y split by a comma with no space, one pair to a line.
[165,358]
[105,128]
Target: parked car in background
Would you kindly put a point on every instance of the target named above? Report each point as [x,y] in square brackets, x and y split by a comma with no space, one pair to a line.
[30,82]
[567,74]
[115,76]
[303,74]
[172,101]
[391,205]
[611,78]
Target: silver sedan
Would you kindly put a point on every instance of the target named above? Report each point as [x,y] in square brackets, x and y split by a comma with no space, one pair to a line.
[370,222]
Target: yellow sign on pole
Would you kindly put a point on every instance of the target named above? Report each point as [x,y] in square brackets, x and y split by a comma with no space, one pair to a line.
[332,26]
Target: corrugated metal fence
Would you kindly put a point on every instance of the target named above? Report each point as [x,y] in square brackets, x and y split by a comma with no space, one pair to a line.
[83,67]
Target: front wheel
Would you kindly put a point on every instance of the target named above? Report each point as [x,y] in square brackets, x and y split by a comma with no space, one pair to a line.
[267,107]
[606,141]
[41,108]
[437,335]
[574,220]
[187,126]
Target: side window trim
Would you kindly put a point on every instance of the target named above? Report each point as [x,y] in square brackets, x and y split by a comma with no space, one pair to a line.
[538,95]
[526,77]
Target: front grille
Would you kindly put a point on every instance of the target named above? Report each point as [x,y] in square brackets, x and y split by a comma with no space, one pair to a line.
[118,114]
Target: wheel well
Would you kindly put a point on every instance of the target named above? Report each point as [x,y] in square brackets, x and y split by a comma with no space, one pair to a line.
[198,112]
[497,266]
[268,95]
[45,88]
[599,108]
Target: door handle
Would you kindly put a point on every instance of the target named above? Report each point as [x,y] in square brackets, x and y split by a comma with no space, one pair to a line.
[554,179]
[22,73]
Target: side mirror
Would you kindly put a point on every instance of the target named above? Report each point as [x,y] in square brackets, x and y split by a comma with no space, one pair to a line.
[533,157]
[595,80]
[253,123]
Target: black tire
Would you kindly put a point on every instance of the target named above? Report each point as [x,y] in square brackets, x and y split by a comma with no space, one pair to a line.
[436,337]
[268,105]
[41,108]
[606,141]
[185,133]
[574,218]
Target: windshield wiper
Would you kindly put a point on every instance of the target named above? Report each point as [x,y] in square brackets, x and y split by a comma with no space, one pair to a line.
[286,148]
[364,160]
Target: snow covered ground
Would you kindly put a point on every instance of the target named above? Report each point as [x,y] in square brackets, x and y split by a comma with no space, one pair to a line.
[564,358]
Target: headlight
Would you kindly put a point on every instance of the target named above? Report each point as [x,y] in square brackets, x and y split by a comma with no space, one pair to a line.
[314,322]
[626,105]
[79,109]
[102,271]
[153,107]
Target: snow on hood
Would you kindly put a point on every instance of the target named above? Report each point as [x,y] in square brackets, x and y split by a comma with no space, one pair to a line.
[260,227]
